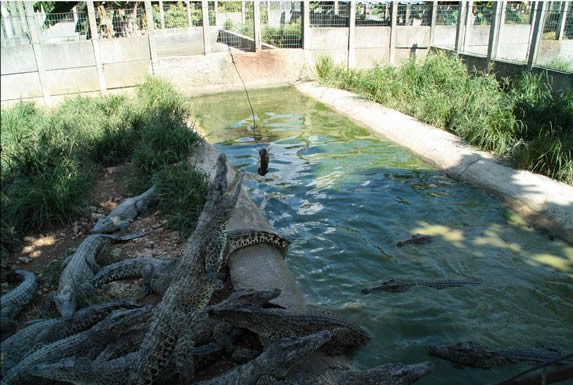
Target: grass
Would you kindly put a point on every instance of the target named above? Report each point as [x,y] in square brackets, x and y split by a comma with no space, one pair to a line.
[50,158]
[523,121]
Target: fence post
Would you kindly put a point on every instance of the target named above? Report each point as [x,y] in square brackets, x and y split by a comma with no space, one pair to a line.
[150,33]
[306,25]
[243,12]
[257,23]
[468,26]
[434,21]
[205,18]
[35,40]
[352,35]
[495,29]
[96,48]
[161,14]
[460,28]
[393,31]
[537,33]
[189,16]
[562,19]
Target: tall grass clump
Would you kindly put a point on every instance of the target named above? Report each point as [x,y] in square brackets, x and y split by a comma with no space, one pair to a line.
[528,124]
[50,157]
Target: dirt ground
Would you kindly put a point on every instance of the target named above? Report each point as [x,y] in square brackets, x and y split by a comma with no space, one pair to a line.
[43,253]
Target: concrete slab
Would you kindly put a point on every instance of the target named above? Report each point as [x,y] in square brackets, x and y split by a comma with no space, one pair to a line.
[541,201]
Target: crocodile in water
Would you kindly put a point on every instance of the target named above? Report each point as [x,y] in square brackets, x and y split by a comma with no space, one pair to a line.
[124,213]
[416,239]
[475,355]
[12,302]
[396,286]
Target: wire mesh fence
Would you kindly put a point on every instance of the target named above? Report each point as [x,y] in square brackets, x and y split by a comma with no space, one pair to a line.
[414,13]
[237,21]
[373,14]
[281,23]
[448,13]
[329,14]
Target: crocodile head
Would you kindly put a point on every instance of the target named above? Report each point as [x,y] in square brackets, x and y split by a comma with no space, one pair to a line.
[109,225]
[65,301]
[396,373]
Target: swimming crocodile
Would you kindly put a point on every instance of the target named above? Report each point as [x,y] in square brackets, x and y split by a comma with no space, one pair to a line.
[416,239]
[76,279]
[273,324]
[12,302]
[87,343]
[124,213]
[157,272]
[394,373]
[396,286]
[475,355]
[43,332]
[195,281]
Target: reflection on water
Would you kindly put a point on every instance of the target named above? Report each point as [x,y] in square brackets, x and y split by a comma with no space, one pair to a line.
[344,198]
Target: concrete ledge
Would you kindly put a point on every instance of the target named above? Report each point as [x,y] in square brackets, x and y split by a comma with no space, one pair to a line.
[541,201]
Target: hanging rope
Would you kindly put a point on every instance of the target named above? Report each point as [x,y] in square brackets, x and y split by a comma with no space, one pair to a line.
[264,157]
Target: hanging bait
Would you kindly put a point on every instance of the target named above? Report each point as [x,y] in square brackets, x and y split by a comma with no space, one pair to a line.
[263,161]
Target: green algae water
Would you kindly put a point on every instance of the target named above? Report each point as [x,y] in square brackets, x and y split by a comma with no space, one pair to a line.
[344,197]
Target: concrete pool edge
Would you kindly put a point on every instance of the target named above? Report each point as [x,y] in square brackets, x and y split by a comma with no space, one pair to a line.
[541,201]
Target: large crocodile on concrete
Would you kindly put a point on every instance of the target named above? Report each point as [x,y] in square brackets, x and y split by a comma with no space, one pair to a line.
[158,272]
[86,343]
[475,355]
[273,324]
[76,279]
[12,302]
[196,279]
[396,286]
[124,213]
[43,332]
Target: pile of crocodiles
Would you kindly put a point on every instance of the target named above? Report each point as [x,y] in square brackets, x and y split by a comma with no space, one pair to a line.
[199,322]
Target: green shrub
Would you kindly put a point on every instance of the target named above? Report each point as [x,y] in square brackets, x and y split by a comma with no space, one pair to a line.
[528,123]
[50,158]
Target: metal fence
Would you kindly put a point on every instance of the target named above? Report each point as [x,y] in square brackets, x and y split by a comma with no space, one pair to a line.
[448,13]
[281,23]
[414,13]
[329,14]
[373,14]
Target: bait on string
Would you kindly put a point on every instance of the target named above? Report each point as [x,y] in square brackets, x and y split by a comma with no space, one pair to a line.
[264,157]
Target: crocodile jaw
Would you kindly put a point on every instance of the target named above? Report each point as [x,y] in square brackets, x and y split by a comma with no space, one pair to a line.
[109,225]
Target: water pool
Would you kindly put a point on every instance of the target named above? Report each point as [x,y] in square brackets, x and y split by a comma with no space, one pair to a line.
[344,197]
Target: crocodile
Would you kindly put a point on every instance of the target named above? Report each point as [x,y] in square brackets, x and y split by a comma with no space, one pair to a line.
[396,286]
[12,302]
[193,284]
[146,267]
[416,239]
[75,280]
[86,343]
[273,324]
[125,212]
[394,373]
[475,355]
[274,362]
[157,272]
[44,332]
[111,365]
